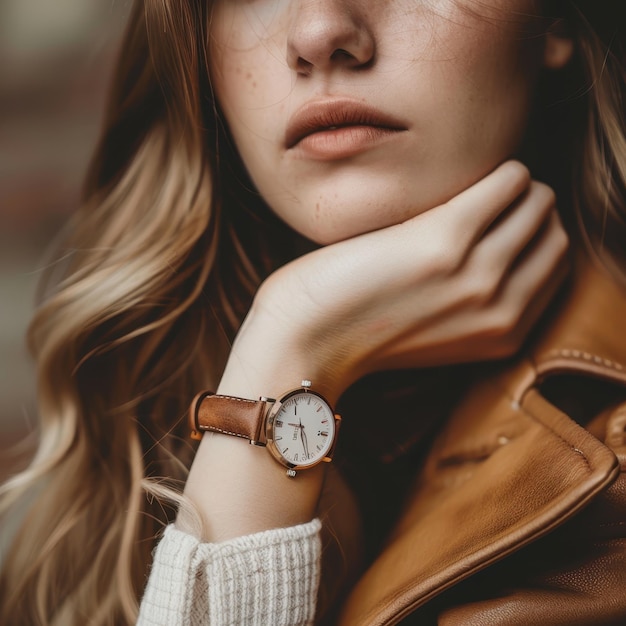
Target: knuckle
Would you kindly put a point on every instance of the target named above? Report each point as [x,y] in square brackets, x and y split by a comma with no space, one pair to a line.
[520,172]
[505,323]
[482,290]
[545,195]
[510,345]
[504,335]
[562,241]
[443,256]
[557,238]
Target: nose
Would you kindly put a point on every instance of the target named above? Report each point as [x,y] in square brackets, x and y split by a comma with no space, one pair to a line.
[326,34]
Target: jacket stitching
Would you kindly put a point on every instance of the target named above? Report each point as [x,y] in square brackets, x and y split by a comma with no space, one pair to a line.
[523,410]
[586,356]
[559,437]
[581,355]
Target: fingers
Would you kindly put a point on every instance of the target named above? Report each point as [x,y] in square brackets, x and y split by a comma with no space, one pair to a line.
[492,309]
[516,228]
[534,279]
[441,239]
[470,214]
[492,324]
[463,281]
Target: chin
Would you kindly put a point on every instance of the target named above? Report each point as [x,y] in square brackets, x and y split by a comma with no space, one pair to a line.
[322,238]
[345,218]
[325,234]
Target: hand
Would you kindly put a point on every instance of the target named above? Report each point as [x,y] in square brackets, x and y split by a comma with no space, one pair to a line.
[463,281]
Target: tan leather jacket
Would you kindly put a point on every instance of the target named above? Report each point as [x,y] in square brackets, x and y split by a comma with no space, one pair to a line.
[519,513]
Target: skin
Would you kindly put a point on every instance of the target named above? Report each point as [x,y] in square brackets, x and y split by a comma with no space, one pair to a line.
[442,249]
[461,84]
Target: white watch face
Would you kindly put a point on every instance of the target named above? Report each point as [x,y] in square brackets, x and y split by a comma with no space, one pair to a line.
[303,428]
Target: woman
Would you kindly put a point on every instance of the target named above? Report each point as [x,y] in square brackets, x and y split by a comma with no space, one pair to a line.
[382,132]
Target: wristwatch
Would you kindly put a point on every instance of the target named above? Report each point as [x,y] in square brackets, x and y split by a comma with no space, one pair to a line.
[299,428]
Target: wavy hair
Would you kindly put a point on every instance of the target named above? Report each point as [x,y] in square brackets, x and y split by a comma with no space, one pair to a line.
[152,279]
[583,113]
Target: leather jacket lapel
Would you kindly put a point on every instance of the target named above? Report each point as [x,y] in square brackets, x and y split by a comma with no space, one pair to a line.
[508,468]
[589,332]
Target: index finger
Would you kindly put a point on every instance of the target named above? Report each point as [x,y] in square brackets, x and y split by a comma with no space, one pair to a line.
[470,213]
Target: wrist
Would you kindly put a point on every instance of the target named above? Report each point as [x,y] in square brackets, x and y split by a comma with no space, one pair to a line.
[239,489]
[271,355]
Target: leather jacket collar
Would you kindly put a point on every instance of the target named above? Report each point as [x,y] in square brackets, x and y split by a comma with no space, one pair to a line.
[509,467]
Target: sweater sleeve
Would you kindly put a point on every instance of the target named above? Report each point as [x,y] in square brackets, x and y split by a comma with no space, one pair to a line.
[270,577]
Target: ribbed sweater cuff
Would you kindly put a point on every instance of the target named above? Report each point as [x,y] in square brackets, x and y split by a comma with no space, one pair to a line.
[266,578]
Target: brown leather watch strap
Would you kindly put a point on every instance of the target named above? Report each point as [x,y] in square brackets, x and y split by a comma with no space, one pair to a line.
[228,415]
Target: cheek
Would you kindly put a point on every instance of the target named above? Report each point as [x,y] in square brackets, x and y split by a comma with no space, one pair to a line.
[249,78]
[245,52]
[236,77]
[481,84]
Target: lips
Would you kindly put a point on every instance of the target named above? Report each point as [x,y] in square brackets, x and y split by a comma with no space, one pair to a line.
[329,116]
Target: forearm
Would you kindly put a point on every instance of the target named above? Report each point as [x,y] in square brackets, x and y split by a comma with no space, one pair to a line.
[413,294]
[238,488]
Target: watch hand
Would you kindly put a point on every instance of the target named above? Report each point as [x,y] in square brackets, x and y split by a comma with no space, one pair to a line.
[304,440]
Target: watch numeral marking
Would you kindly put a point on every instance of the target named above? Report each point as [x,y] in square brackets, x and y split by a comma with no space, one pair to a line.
[279,424]
[323,433]
[285,450]
[295,456]
[278,438]
[318,410]
[324,421]
[319,447]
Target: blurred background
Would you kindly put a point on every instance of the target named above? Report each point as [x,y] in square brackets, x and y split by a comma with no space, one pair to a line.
[55,64]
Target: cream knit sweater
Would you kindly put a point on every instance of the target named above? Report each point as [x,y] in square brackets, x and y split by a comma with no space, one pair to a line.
[266,578]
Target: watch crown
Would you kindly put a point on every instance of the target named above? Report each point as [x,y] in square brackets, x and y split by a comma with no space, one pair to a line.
[306,384]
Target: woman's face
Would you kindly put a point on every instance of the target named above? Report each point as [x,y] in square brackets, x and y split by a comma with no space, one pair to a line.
[352,115]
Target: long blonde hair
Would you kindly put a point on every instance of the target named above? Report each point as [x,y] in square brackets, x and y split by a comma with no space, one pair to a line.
[152,279]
